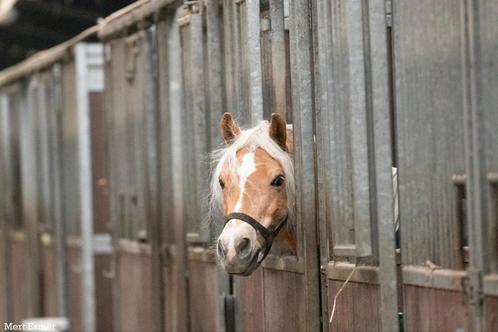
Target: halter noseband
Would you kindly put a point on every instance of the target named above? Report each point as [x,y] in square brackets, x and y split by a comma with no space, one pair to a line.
[267,234]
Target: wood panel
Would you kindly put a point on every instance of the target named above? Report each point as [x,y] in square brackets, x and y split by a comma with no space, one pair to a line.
[135,292]
[19,279]
[103,293]
[99,174]
[50,281]
[357,307]
[428,309]
[74,288]
[203,292]
[250,309]
[428,62]
[284,301]
[491,312]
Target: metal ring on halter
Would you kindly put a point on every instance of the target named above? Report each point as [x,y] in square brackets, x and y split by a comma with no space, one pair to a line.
[266,233]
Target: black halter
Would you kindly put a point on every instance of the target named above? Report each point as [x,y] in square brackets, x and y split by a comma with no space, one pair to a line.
[267,234]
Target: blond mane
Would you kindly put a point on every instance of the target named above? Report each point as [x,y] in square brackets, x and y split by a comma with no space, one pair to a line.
[253,138]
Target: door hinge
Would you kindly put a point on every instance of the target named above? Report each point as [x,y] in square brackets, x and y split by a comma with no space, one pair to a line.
[389,13]
[472,285]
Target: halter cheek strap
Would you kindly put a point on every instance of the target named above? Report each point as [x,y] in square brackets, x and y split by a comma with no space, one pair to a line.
[266,233]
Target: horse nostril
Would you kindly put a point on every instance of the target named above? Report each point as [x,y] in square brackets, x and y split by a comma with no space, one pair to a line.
[243,247]
[221,250]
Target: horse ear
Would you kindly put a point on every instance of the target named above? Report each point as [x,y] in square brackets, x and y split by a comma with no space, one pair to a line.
[278,130]
[229,128]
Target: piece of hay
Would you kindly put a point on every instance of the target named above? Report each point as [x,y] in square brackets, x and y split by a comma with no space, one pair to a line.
[339,292]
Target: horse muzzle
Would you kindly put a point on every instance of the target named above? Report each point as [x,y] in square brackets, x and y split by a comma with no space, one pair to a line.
[242,255]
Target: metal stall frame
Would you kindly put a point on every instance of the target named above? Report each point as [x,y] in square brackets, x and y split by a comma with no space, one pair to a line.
[370,257]
[480,95]
[141,17]
[49,61]
[303,85]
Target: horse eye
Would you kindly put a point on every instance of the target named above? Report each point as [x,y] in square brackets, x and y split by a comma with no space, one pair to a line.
[278,181]
[222,184]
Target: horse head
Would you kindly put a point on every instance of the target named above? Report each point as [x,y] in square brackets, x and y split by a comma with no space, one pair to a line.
[253,184]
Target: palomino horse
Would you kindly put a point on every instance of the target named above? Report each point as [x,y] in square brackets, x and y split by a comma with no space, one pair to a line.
[253,184]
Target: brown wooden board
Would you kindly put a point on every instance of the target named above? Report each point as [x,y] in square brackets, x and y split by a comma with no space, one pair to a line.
[19,279]
[203,294]
[357,307]
[284,305]
[250,307]
[74,288]
[428,309]
[49,280]
[135,292]
[99,174]
[491,309]
[103,292]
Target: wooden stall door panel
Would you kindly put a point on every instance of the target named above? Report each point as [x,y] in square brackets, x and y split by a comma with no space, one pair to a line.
[249,297]
[429,86]
[99,174]
[491,312]
[103,292]
[357,307]
[50,281]
[284,301]
[74,275]
[428,309]
[19,279]
[203,286]
[135,292]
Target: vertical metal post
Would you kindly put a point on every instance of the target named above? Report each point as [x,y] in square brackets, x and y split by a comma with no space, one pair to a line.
[29,197]
[85,182]
[152,158]
[254,59]
[60,234]
[5,174]
[216,109]
[381,152]
[477,203]
[304,154]
[177,250]
[199,116]
[322,31]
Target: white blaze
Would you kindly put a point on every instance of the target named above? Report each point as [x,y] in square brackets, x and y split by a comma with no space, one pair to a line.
[233,229]
[244,171]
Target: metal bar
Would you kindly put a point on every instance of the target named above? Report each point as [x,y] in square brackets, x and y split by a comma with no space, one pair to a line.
[132,15]
[434,277]
[177,250]
[199,114]
[254,76]
[59,226]
[322,32]
[85,181]
[134,247]
[475,163]
[216,98]
[151,161]
[490,285]
[30,197]
[284,263]
[114,199]
[5,174]
[359,127]
[381,170]
[304,154]
[363,274]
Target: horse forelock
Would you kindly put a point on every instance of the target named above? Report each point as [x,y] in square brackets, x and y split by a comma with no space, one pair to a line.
[253,138]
